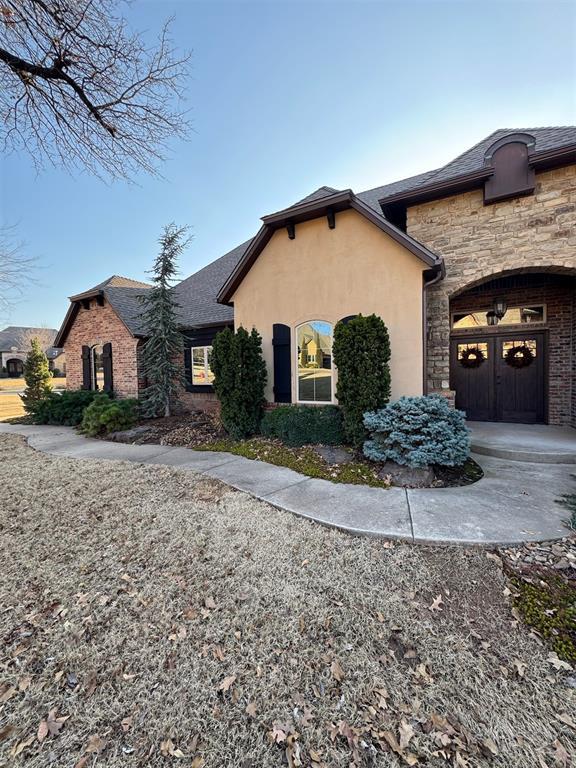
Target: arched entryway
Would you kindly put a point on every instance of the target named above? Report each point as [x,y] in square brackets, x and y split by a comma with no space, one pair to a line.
[14,367]
[512,347]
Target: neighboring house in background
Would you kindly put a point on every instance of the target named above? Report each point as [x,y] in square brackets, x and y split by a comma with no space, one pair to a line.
[472,267]
[14,346]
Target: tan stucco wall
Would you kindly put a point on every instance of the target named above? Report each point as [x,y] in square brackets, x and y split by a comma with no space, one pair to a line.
[327,274]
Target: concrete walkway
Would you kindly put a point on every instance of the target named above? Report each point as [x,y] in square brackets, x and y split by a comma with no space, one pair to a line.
[514,501]
[540,443]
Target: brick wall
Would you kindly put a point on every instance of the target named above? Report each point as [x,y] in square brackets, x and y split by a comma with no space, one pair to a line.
[99,325]
[532,233]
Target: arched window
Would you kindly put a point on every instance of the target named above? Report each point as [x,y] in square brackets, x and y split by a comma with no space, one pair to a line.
[314,362]
[97,368]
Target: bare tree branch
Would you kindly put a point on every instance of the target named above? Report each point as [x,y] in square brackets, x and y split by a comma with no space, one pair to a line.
[79,89]
[44,336]
[15,269]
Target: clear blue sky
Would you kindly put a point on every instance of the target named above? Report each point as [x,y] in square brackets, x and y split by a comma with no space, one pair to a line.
[285,97]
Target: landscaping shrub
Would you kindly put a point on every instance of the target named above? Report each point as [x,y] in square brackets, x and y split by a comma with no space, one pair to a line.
[239,380]
[361,352]
[304,424]
[37,375]
[66,408]
[104,415]
[418,432]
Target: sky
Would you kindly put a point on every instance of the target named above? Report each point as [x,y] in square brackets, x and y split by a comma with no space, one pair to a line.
[285,96]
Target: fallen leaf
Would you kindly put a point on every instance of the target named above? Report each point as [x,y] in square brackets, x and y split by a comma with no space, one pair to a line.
[566,719]
[95,744]
[42,731]
[6,731]
[561,757]
[20,746]
[198,762]
[251,709]
[489,747]
[406,734]
[126,723]
[436,603]
[210,603]
[558,663]
[337,671]
[520,667]
[7,693]
[227,683]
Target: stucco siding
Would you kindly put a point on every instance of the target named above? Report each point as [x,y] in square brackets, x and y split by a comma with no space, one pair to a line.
[327,274]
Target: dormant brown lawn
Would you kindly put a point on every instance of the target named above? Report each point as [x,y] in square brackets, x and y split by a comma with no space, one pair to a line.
[151,617]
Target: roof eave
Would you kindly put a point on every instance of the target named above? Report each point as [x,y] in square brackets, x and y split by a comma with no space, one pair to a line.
[314,209]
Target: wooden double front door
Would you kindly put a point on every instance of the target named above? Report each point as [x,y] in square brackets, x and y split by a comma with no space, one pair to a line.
[500,377]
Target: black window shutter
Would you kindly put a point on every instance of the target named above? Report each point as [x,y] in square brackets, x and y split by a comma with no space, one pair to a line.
[188,365]
[107,366]
[347,319]
[86,368]
[282,363]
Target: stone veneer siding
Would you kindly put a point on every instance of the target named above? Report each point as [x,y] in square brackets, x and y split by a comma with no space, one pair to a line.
[99,325]
[477,241]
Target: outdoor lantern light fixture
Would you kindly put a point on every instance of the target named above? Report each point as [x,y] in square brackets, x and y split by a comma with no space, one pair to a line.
[492,317]
[500,307]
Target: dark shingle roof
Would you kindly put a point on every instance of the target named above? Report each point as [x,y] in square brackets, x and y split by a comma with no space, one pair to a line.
[197,294]
[12,335]
[317,194]
[122,293]
[473,159]
[372,196]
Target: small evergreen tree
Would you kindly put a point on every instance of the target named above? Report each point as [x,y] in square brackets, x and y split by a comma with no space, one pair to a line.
[361,352]
[239,380]
[162,354]
[37,375]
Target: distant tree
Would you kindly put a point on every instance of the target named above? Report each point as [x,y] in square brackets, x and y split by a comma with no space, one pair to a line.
[15,268]
[44,336]
[163,350]
[37,376]
[80,89]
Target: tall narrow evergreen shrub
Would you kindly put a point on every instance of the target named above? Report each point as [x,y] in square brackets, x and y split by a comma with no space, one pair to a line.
[361,352]
[162,355]
[37,375]
[239,380]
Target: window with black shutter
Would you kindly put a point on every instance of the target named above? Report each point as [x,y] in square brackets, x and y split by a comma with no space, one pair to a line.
[86,368]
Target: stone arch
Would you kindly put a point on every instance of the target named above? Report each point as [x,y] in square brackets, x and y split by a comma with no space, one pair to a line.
[487,275]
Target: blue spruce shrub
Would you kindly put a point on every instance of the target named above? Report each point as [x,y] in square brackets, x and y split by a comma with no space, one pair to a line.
[417,432]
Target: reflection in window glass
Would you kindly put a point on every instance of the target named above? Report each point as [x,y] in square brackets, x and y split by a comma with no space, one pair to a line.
[314,362]
[465,350]
[97,368]
[201,372]
[513,316]
[528,343]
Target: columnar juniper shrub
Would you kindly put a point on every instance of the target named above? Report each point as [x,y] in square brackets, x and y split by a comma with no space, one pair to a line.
[239,380]
[418,432]
[37,375]
[104,415]
[66,408]
[304,424]
[361,352]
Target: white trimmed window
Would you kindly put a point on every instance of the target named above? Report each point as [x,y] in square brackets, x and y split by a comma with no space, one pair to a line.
[201,373]
[314,362]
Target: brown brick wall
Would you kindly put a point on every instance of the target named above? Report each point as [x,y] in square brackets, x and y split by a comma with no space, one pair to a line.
[526,234]
[99,325]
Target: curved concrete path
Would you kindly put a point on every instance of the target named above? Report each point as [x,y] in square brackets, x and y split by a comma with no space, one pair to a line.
[514,501]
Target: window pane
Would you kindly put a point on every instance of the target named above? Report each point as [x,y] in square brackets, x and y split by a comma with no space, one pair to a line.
[513,316]
[201,373]
[529,344]
[314,362]
[97,368]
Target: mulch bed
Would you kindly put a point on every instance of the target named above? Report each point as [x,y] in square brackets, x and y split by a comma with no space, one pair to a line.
[205,432]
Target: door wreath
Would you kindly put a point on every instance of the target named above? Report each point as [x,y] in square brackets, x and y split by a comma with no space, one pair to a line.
[472,357]
[519,357]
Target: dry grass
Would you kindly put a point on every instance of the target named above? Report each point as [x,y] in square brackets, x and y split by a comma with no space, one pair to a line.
[19,384]
[151,607]
[10,406]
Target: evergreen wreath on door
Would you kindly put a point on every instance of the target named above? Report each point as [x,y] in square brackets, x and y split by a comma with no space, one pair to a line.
[519,357]
[472,357]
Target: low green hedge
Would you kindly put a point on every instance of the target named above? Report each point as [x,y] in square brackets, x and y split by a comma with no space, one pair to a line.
[65,409]
[304,424]
[104,415]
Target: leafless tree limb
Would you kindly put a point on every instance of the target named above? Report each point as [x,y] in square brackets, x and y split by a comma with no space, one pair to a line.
[44,335]
[79,89]
[16,269]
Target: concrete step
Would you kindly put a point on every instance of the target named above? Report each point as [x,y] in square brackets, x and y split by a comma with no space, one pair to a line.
[534,456]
